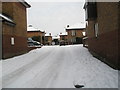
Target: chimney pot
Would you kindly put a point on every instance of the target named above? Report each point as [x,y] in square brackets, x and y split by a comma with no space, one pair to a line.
[67,26]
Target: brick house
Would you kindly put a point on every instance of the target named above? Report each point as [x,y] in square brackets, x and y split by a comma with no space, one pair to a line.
[56,40]
[103,30]
[75,33]
[63,37]
[48,39]
[14,28]
[38,35]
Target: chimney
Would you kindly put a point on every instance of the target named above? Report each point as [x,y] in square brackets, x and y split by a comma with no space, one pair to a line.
[67,26]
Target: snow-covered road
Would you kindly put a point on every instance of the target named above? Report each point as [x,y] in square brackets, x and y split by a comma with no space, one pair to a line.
[57,67]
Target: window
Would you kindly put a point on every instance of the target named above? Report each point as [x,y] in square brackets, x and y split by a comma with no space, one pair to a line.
[63,37]
[46,38]
[12,41]
[90,10]
[84,33]
[74,40]
[96,29]
[73,33]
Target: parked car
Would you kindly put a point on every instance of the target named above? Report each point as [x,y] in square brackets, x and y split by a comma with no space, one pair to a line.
[33,43]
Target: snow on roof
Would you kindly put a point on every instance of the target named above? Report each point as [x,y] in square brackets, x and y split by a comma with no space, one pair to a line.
[48,34]
[6,18]
[31,28]
[25,3]
[56,37]
[63,34]
[77,26]
[42,30]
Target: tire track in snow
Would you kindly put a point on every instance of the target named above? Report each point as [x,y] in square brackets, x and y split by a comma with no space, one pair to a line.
[11,77]
[45,78]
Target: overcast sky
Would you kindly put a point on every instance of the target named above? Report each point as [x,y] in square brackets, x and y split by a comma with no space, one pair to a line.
[54,16]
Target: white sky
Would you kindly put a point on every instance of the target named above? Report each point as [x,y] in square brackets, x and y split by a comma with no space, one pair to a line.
[54,16]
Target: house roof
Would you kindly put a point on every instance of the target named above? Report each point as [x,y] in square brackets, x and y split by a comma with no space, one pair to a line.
[5,18]
[77,26]
[30,28]
[48,35]
[63,34]
[25,3]
[56,37]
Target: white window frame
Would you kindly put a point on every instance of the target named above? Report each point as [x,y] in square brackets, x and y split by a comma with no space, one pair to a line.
[96,29]
[12,41]
[73,33]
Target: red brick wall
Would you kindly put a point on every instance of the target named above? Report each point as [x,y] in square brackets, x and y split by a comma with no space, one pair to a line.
[20,18]
[19,31]
[78,34]
[106,44]
[41,34]
[31,34]
[13,50]
[7,8]
[49,41]
[63,36]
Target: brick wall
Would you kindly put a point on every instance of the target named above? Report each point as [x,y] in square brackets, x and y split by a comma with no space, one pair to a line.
[78,34]
[106,44]
[7,8]
[48,40]
[63,36]
[41,34]
[31,34]
[18,13]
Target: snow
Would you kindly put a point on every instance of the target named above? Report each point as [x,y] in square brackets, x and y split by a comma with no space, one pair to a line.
[63,34]
[56,37]
[48,34]
[6,18]
[77,26]
[31,28]
[57,67]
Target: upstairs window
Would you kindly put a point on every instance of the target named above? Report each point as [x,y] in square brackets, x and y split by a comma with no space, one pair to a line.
[90,10]
[73,33]
[46,39]
[63,38]
[96,29]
